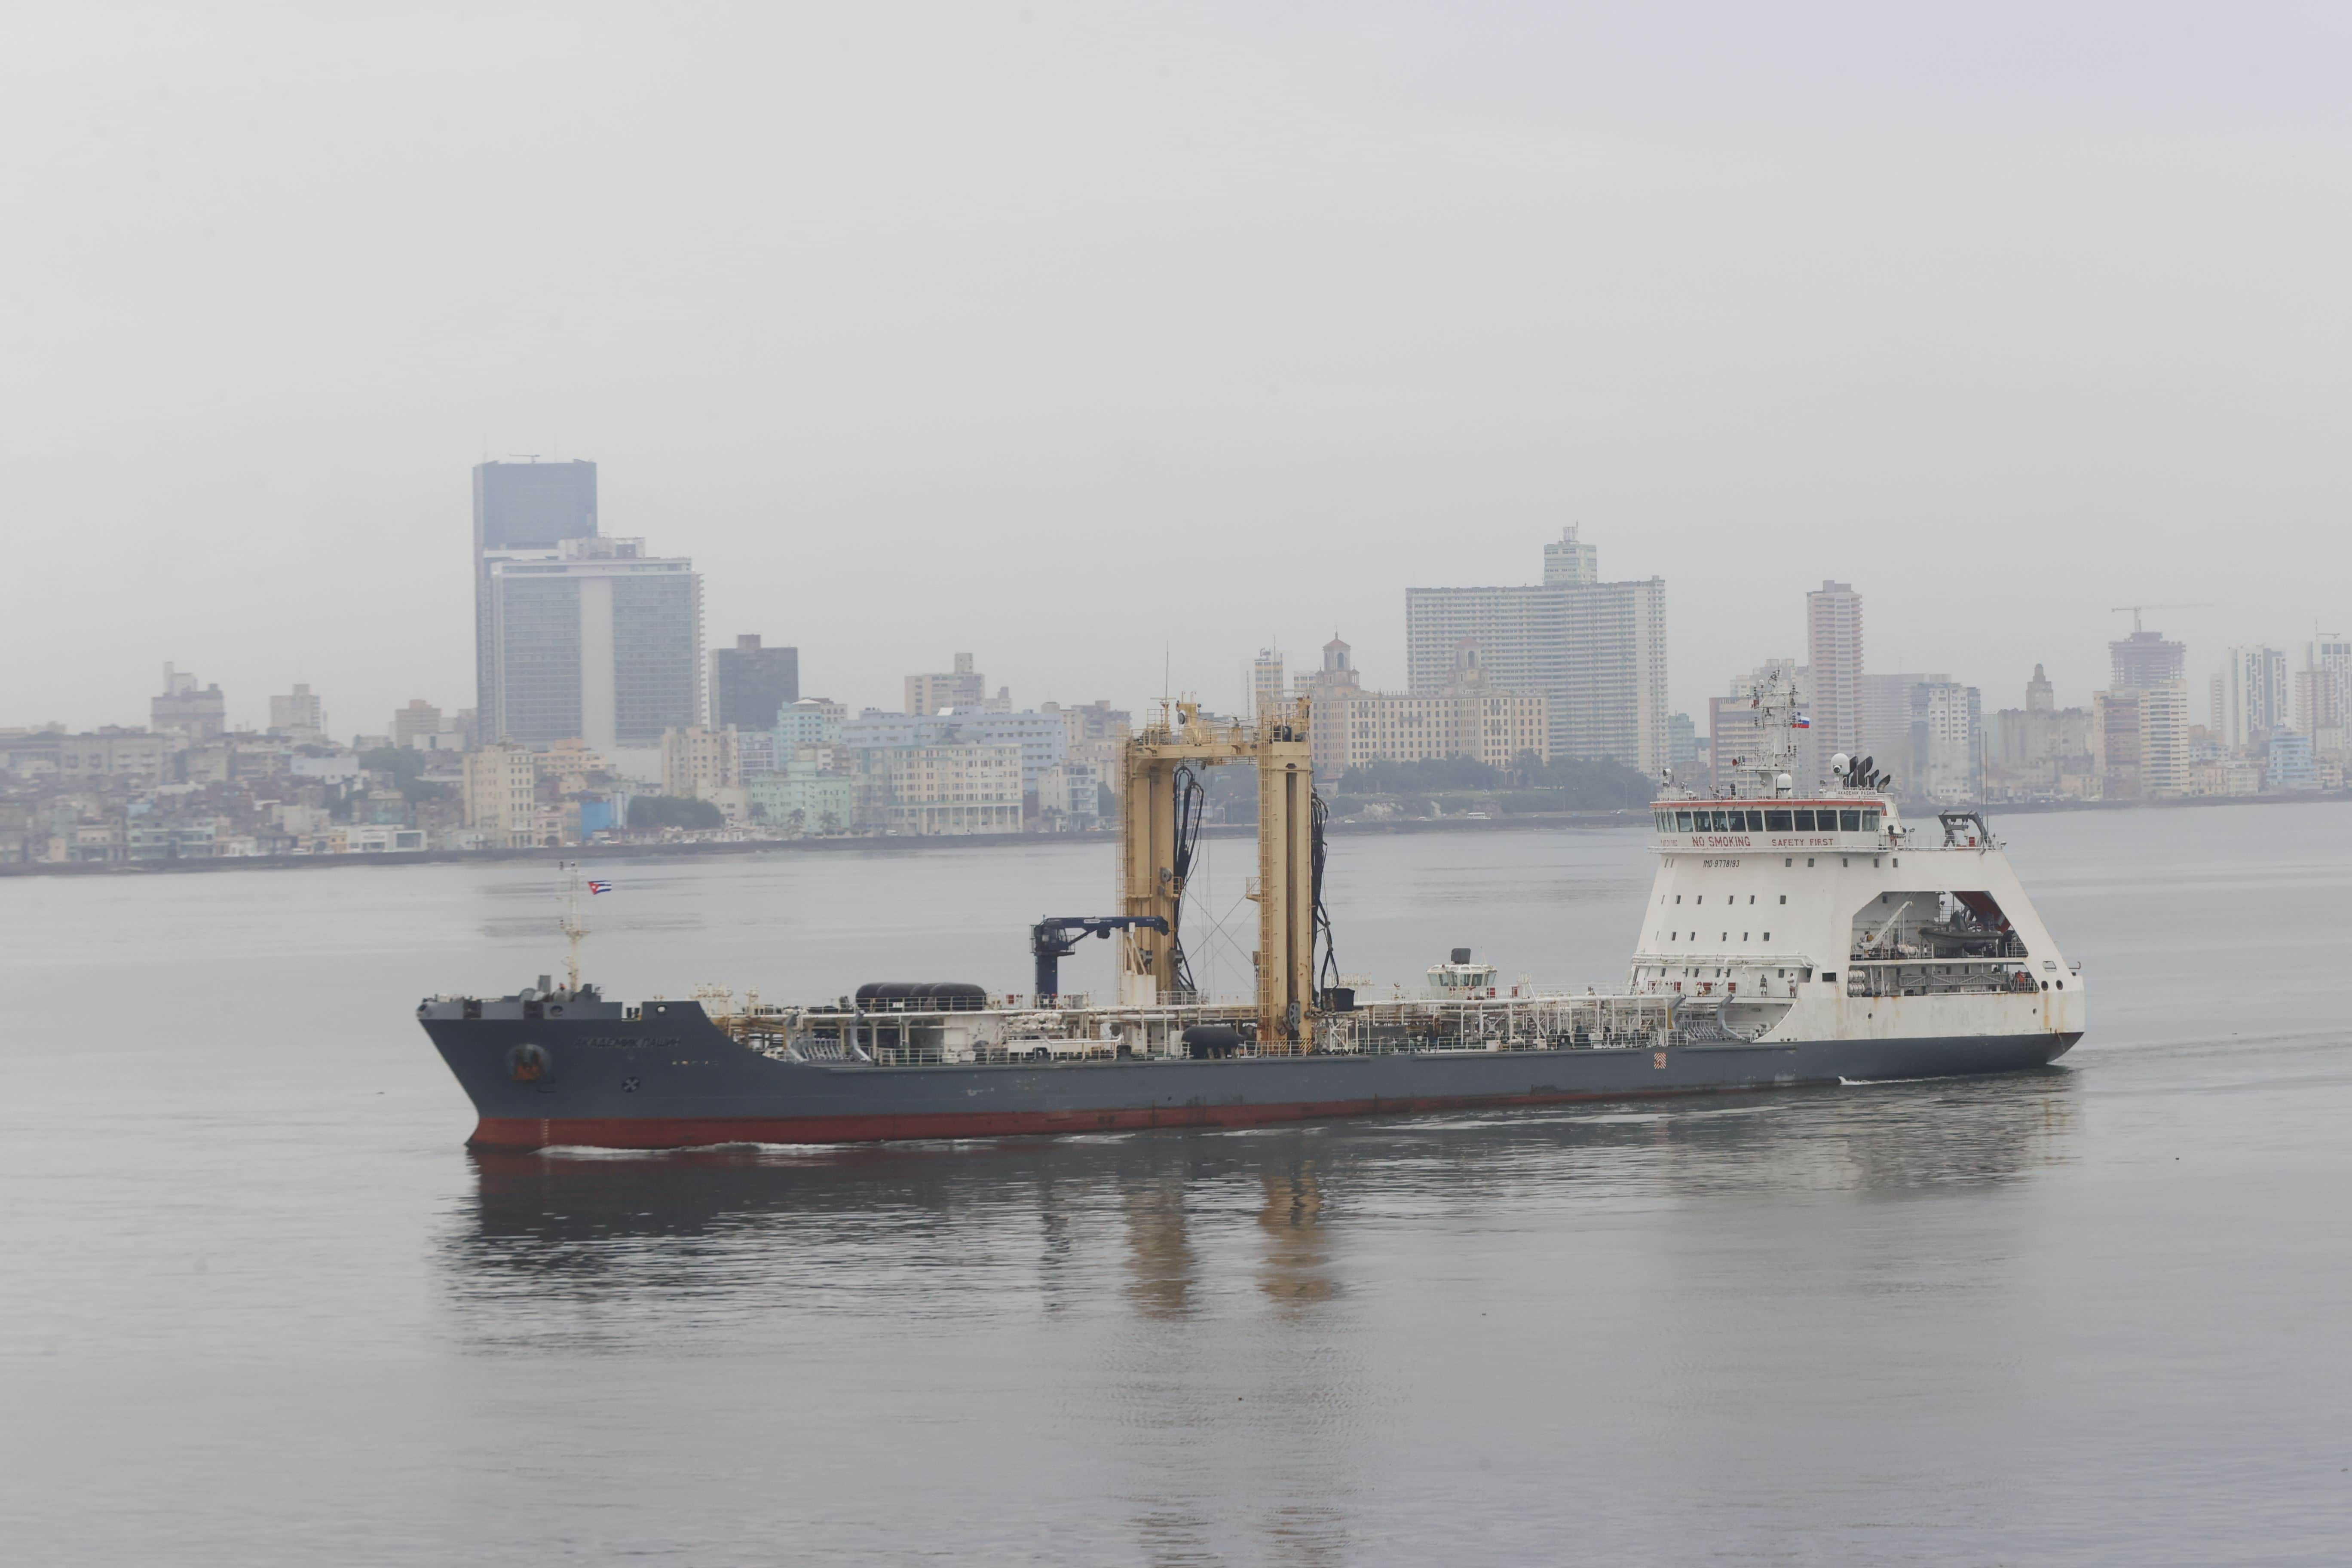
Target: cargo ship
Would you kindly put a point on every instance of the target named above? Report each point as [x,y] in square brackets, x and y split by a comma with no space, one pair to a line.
[1790,937]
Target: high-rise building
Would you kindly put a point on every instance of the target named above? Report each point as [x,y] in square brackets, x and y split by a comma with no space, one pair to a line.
[1570,563]
[1833,647]
[750,685]
[2141,741]
[501,789]
[1266,681]
[301,713]
[2323,694]
[933,694]
[523,508]
[601,642]
[2251,696]
[1733,728]
[2165,762]
[2041,696]
[1595,651]
[186,708]
[2144,659]
[2143,723]
[1885,721]
[1681,741]
[1946,749]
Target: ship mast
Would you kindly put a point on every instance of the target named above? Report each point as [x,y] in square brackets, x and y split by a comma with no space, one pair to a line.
[1773,701]
[573,928]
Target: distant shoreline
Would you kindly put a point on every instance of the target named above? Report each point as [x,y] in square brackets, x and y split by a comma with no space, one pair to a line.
[1520,823]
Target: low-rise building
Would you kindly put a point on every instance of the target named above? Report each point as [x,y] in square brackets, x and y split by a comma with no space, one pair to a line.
[803,798]
[956,786]
[126,757]
[1069,797]
[811,721]
[2291,765]
[1467,717]
[416,724]
[698,763]
[299,715]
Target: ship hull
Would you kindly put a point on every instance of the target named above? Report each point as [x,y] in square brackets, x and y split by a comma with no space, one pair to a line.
[685,1083]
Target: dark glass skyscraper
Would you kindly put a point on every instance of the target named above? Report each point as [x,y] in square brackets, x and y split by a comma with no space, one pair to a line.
[525,506]
[533,506]
[749,683]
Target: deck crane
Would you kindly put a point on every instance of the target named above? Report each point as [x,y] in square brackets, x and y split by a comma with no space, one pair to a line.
[1057,937]
[1160,817]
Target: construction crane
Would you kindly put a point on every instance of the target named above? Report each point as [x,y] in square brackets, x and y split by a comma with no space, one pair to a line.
[2134,611]
[1055,937]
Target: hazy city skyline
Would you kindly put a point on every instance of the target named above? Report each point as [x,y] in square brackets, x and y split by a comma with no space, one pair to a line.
[1092,340]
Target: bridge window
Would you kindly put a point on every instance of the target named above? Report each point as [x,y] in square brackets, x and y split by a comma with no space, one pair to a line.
[1776,822]
[1804,822]
[1682,822]
[1850,821]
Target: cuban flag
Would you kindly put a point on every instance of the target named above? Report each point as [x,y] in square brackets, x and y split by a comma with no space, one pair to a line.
[600,886]
[1799,723]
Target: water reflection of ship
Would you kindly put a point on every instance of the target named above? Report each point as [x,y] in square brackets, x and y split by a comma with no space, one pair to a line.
[1234,1393]
[546,1219]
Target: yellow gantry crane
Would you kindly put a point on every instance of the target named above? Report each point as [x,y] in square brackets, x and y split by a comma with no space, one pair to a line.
[1159,819]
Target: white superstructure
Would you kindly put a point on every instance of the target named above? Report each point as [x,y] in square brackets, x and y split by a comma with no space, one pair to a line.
[1826,916]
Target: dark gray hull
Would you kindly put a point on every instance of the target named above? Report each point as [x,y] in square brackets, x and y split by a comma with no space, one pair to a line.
[672,1080]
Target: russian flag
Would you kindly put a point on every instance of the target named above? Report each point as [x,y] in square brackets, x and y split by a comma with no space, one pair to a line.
[1801,722]
[600,886]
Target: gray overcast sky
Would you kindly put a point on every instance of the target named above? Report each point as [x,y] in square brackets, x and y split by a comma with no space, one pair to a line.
[1085,335]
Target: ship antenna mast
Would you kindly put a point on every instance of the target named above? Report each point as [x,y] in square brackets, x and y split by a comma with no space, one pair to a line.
[1773,701]
[573,928]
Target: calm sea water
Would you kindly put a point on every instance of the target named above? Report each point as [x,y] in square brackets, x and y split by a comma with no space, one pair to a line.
[258,1305]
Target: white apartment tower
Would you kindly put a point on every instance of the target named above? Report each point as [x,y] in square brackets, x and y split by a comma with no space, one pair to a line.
[2251,696]
[1595,651]
[1833,648]
[1570,563]
[1266,681]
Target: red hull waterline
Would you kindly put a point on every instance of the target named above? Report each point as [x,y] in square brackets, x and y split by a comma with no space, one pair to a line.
[522,1134]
